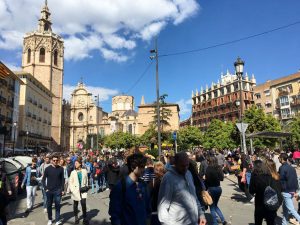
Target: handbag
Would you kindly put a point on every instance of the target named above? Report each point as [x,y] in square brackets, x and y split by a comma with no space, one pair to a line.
[84,189]
[206,198]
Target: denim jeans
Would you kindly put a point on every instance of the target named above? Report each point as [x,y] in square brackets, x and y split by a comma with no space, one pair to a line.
[44,198]
[93,181]
[56,197]
[102,181]
[31,191]
[288,208]
[215,193]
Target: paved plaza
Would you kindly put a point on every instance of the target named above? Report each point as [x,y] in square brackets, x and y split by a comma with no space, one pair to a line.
[233,204]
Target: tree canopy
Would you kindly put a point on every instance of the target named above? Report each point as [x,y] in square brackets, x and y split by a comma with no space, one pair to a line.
[188,137]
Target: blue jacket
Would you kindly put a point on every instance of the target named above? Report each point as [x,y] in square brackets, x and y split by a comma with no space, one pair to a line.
[28,175]
[288,178]
[134,209]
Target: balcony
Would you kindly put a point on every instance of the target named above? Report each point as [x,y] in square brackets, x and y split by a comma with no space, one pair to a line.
[10,104]
[45,121]
[50,111]
[2,117]
[295,102]
[3,82]
[34,116]
[9,120]
[45,109]
[40,119]
[286,116]
[2,100]
[40,106]
[28,114]
[35,102]
[49,122]
[29,99]
[11,87]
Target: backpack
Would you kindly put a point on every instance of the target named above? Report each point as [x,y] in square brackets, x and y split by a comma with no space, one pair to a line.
[271,199]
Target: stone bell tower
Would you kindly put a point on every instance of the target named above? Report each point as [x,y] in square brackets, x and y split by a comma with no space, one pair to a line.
[43,57]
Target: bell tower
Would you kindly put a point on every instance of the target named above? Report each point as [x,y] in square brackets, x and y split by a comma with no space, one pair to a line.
[43,57]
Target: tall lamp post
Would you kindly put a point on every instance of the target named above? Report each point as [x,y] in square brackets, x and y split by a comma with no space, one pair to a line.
[97,120]
[14,130]
[239,69]
[27,133]
[155,56]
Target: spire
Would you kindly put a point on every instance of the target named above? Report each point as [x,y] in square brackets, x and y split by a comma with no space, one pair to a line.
[44,21]
[143,100]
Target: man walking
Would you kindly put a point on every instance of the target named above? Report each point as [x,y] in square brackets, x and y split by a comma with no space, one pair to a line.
[177,200]
[44,165]
[53,182]
[289,184]
[129,200]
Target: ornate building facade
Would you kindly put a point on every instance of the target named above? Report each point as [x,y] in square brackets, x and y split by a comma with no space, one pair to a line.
[85,116]
[43,57]
[219,100]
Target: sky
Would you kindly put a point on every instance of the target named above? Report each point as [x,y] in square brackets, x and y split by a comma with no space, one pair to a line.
[107,43]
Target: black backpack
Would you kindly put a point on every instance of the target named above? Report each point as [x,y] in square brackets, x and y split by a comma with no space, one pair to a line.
[271,199]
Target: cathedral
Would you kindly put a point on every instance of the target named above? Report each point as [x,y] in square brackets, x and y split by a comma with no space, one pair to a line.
[43,58]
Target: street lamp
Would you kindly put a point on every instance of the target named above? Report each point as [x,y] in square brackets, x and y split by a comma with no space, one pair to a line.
[97,120]
[154,55]
[27,133]
[14,130]
[239,69]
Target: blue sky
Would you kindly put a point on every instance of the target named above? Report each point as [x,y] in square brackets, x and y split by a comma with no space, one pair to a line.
[110,49]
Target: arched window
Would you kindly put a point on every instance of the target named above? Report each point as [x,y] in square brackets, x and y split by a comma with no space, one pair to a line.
[29,55]
[42,55]
[55,57]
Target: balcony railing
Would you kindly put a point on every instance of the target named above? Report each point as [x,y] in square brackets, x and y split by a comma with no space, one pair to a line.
[286,116]
[45,109]
[40,106]
[11,87]
[40,119]
[2,100]
[28,114]
[10,104]
[35,102]
[295,102]
[45,121]
[49,122]
[34,117]
[3,82]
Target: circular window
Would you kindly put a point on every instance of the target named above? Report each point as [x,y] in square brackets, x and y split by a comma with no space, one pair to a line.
[80,116]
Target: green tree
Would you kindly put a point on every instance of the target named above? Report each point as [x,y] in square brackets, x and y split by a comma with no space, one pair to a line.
[258,121]
[119,140]
[189,137]
[150,137]
[219,135]
[88,142]
[294,128]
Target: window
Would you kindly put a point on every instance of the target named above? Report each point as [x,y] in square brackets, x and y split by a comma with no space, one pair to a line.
[284,100]
[258,96]
[267,92]
[55,57]
[259,105]
[42,55]
[29,55]
[80,116]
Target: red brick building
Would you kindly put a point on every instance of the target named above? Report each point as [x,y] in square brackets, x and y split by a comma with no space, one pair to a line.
[219,100]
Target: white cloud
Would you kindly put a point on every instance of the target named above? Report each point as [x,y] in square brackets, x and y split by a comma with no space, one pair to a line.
[185,107]
[104,93]
[88,25]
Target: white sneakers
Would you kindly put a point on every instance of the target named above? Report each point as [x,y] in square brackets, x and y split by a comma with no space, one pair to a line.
[58,223]
[45,210]
[49,222]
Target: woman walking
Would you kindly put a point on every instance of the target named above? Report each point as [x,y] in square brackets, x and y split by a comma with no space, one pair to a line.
[78,184]
[31,181]
[262,177]
[213,177]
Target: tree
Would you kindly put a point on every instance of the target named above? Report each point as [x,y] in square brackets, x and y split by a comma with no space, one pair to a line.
[150,137]
[165,113]
[258,121]
[188,137]
[219,135]
[88,142]
[119,140]
[294,127]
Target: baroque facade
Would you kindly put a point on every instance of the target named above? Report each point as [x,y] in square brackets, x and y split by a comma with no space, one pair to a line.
[43,57]
[219,100]
[85,116]
[279,97]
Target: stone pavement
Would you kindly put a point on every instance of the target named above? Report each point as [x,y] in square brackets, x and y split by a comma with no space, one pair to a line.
[233,204]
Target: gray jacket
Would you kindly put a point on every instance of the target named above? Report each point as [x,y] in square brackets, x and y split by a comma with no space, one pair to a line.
[177,200]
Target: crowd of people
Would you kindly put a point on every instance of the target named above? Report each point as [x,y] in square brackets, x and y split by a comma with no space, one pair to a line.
[172,190]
